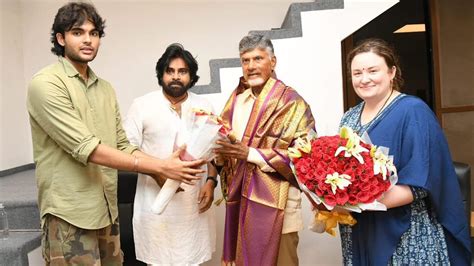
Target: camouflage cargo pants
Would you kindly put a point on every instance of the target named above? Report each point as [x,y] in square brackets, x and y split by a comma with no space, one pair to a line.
[65,244]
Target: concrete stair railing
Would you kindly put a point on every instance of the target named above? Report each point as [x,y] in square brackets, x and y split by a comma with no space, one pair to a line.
[290,28]
[308,51]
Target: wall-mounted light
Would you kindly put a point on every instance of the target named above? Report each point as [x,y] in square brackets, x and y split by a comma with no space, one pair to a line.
[411,28]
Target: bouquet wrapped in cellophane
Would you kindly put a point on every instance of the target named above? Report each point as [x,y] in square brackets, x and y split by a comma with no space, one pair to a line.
[343,171]
[202,131]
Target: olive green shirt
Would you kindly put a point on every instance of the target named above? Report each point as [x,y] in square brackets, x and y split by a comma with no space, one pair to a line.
[69,117]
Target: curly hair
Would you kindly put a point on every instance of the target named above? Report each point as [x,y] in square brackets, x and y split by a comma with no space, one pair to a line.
[174,51]
[70,15]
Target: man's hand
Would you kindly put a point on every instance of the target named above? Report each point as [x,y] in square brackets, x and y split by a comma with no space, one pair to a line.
[161,181]
[206,196]
[235,150]
[182,171]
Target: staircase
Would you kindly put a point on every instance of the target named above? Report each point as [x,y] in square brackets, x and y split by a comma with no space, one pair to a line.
[308,49]
[18,193]
[290,28]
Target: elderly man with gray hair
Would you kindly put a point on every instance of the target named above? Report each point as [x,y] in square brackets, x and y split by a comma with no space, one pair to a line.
[263,200]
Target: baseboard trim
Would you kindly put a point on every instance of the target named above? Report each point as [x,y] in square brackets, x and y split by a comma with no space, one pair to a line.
[17,169]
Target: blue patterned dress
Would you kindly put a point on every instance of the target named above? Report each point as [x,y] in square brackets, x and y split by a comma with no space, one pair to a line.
[423,242]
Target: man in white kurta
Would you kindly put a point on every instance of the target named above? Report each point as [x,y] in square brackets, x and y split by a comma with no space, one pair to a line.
[184,233]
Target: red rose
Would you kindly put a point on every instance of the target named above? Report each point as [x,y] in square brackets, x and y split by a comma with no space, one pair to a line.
[365,187]
[330,200]
[318,192]
[352,200]
[363,196]
[310,185]
[341,197]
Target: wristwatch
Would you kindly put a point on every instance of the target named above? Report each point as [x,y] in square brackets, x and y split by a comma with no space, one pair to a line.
[213,178]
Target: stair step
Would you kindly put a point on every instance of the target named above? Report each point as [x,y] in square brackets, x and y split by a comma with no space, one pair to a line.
[18,193]
[14,250]
[24,215]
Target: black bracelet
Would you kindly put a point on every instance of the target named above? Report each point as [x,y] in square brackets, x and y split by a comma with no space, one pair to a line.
[213,178]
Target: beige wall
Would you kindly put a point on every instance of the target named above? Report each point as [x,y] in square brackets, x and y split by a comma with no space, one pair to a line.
[15,143]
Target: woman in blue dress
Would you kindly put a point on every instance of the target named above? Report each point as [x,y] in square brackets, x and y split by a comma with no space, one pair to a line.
[425,222]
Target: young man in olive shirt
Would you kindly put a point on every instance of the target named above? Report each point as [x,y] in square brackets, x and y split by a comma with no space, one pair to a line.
[78,142]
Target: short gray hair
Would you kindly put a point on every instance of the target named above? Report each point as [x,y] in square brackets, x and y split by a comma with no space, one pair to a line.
[253,41]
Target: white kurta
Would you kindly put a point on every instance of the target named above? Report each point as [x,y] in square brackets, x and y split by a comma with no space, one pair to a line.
[180,235]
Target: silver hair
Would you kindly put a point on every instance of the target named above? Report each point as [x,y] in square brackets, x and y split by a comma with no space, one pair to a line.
[253,41]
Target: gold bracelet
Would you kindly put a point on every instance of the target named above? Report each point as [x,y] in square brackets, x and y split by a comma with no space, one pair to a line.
[135,163]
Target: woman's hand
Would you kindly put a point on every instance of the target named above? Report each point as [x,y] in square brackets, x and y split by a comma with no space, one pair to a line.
[397,196]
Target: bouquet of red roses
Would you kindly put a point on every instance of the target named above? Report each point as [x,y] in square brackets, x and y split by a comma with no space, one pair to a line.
[345,170]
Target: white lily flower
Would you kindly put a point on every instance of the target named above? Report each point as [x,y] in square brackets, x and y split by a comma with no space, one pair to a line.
[338,181]
[294,153]
[353,147]
[303,144]
[382,163]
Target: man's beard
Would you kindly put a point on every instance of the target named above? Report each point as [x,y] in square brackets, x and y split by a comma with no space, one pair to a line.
[175,89]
